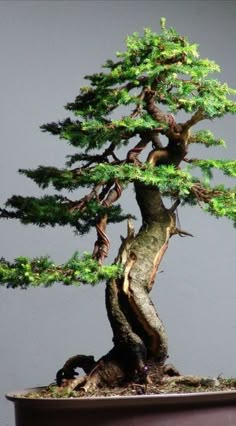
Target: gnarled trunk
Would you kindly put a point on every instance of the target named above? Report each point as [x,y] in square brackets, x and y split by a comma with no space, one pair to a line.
[138,334]
[137,328]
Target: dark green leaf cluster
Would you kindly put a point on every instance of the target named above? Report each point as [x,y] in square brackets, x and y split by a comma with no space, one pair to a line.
[59,178]
[100,102]
[56,210]
[166,178]
[171,182]
[25,272]
[90,134]
[94,133]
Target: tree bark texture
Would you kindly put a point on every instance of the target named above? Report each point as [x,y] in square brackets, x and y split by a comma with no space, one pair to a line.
[137,328]
[139,336]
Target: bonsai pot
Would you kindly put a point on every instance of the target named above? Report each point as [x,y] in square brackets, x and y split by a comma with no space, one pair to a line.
[195,409]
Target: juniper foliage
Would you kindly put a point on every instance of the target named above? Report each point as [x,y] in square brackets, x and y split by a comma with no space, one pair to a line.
[167,67]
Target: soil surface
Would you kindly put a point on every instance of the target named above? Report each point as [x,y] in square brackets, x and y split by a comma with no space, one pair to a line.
[187,385]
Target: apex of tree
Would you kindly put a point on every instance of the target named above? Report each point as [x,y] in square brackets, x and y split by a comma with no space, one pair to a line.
[163,23]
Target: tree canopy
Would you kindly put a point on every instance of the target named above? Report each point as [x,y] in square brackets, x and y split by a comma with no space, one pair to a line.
[132,104]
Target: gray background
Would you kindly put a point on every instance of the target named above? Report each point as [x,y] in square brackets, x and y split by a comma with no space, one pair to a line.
[46,48]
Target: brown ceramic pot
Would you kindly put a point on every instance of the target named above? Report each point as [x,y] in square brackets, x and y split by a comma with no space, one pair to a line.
[195,409]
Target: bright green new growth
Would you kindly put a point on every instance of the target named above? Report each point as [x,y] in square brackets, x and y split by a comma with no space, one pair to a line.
[43,271]
[110,113]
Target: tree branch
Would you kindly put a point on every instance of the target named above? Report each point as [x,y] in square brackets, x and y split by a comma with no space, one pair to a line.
[132,155]
[156,113]
[197,116]
[102,244]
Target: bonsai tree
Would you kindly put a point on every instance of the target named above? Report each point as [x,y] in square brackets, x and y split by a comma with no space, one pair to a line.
[127,131]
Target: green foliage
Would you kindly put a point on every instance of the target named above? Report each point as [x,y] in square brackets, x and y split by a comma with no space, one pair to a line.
[57,210]
[206,138]
[91,134]
[171,182]
[86,104]
[223,206]
[166,60]
[46,176]
[228,167]
[94,133]
[25,272]
[214,99]
[166,178]
[109,113]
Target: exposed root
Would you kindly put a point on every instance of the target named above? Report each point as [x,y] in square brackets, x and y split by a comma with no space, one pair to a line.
[110,376]
[170,370]
[67,372]
[109,371]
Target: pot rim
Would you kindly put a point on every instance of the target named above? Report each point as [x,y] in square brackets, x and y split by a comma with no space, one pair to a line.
[173,399]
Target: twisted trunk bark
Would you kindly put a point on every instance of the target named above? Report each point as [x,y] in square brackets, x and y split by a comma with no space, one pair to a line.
[137,329]
[139,336]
